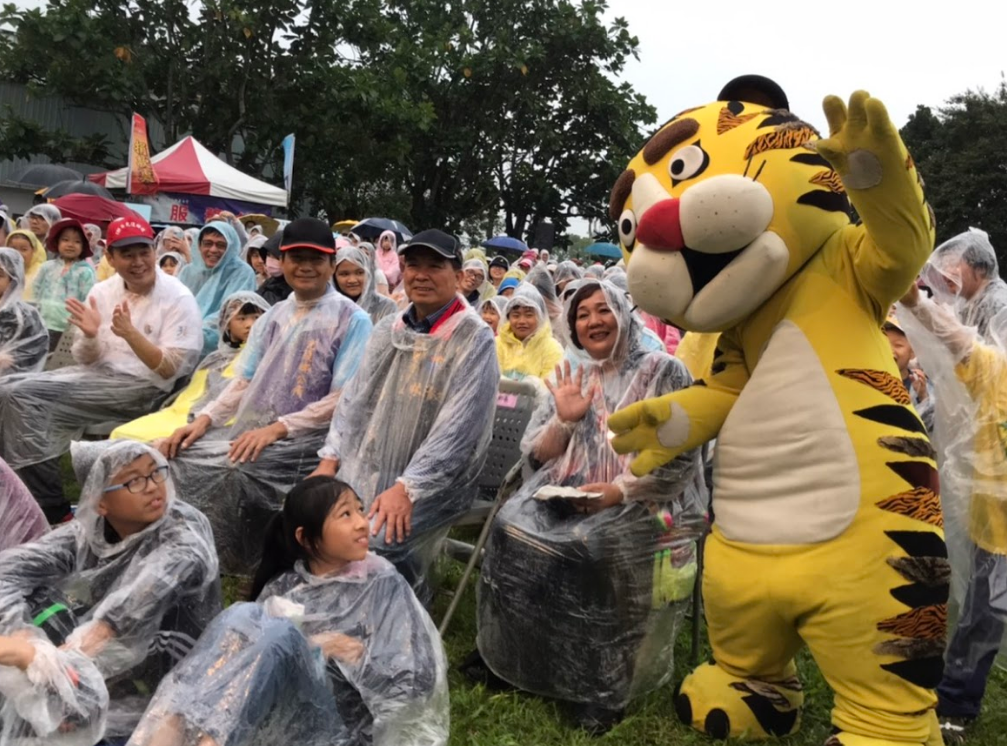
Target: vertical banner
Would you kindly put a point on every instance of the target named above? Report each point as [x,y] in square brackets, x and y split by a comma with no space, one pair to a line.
[288,163]
[141,178]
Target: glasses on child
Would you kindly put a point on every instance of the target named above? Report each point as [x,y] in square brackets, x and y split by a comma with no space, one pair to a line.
[137,485]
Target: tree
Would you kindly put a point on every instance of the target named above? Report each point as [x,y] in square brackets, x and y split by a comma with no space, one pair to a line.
[961,152]
[440,114]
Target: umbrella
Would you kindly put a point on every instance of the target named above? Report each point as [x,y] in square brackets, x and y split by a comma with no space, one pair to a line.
[47,174]
[344,226]
[89,208]
[370,229]
[63,188]
[607,250]
[506,243]
[269,225]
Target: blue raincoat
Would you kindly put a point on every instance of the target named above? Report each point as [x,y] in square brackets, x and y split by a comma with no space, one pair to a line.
[211,286]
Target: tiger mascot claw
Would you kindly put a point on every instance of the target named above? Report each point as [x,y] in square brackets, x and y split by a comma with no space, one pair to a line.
[735,218]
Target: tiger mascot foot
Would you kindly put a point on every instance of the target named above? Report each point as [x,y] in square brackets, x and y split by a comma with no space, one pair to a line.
[724,706]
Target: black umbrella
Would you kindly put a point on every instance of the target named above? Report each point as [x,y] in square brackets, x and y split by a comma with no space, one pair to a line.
[47,174]
[371,228]
[64,188]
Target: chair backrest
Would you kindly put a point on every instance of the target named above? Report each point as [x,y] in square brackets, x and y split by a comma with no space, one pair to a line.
[62,356]
[515,403]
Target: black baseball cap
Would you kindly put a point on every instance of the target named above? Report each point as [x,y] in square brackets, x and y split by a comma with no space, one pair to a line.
[499,261]
[440,242]
[308,233]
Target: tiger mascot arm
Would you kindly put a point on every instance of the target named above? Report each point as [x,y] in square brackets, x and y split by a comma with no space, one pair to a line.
[897,232]
[661,429]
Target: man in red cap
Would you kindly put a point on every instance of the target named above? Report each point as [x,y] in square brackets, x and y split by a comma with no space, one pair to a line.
[138,332]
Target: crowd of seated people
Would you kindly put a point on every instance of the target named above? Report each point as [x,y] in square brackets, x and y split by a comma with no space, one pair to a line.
[315,411]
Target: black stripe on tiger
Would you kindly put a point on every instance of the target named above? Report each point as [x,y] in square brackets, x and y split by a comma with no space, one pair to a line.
[810,159]
[920,543]
[828,201]
[932,571]
[894,416]
[925,673]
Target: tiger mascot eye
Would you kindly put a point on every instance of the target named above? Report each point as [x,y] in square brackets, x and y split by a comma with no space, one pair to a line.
[734,218]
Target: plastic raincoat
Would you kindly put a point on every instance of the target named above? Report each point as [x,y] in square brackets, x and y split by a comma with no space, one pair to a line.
[296,363]
[55,283]
[377,306]
[536,356]
[172,231]
[24,342]
[38,258]
[586,607]
[567,271]
[943,274]
[394,695]
[212,374]
[21,519]
[49,213]
[210,286]
[388,261]
[156,590]
[969,376]
[41,413]
[420,412]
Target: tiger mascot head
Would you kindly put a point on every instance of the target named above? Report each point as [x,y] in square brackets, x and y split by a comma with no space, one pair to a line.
[723,205]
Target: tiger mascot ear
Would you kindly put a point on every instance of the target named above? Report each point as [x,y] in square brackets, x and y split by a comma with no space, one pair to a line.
[755,89]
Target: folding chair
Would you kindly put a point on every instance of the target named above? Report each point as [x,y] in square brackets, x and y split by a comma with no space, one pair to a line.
[62,357]
[498,479]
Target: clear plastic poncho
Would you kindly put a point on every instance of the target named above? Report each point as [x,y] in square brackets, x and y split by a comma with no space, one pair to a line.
[943,274]
[156,590]
[394,694]
[376,305]
[21,519]
[293,369]
[567,271]
[210,286]
[536,356]
[587,608]
[419,411]
[208,380]
[969,376]
[171,232]
[24,341]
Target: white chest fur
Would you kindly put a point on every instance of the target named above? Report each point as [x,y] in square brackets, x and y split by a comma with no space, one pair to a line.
[785,470]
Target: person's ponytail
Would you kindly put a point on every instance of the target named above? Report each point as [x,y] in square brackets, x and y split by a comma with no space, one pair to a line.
[277,557]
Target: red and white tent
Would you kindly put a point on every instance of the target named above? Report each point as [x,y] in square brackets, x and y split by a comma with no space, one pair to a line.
[187,167]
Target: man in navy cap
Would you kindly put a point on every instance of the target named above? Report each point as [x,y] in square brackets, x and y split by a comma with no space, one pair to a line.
[245,449]
[412,429]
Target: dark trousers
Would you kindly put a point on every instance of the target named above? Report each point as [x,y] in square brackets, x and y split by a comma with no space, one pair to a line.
[45,482]
[976,639]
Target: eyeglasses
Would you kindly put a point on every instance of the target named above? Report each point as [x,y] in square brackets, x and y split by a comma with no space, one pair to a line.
[210,244]
[137,485]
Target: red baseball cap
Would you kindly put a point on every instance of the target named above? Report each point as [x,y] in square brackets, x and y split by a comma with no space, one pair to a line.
[52,237]
[129,232]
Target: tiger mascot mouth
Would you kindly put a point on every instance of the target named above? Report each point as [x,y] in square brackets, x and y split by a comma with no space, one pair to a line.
[723,205]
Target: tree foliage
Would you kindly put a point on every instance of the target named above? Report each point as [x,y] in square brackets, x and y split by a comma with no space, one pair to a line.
[961,152]
[436,113]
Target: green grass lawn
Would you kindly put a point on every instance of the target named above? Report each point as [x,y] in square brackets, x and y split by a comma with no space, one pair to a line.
[483,718]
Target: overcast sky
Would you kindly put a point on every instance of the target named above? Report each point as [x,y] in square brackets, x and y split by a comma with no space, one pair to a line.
[903,53]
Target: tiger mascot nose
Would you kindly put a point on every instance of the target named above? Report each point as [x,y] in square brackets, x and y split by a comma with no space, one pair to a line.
[661,226]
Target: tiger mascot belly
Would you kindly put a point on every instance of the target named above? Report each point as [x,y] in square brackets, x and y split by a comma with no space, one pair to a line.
[735,218]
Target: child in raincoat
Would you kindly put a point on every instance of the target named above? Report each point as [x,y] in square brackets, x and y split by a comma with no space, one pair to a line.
[337,650]
[525,343]
[32,254]
[68,276]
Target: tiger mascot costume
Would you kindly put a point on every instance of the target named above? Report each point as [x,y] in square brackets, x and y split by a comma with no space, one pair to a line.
[827,529]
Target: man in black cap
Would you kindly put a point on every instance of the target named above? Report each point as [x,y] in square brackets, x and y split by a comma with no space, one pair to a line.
[245,449]
[413,426]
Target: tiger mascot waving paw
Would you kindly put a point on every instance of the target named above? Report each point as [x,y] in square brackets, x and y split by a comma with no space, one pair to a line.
[735,218]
